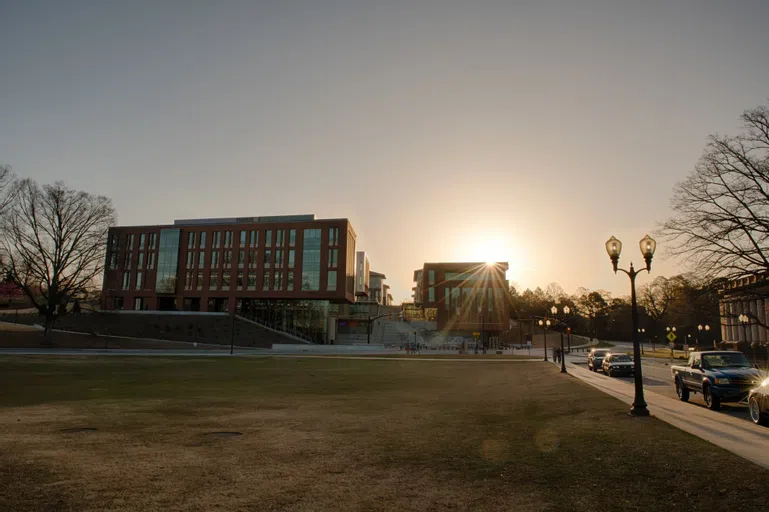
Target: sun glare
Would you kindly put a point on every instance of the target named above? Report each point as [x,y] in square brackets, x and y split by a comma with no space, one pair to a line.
[492,248]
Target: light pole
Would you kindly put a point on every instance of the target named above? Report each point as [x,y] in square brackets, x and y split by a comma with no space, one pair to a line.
[642,332]
[545,324]
[614,248]
[554,311]
[745,321]
[705,328]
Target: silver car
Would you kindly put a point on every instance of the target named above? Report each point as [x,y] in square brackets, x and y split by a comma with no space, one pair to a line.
[596,357]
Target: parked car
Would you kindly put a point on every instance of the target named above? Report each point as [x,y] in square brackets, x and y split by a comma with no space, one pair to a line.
[595,358]
[721,376]
[618,364]
[758,403]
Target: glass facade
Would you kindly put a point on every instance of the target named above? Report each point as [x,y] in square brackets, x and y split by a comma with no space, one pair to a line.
[311,260]
[304,318]
[331,284]
[168,261]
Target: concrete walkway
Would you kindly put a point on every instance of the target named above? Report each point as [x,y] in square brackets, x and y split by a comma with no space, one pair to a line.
[739,437]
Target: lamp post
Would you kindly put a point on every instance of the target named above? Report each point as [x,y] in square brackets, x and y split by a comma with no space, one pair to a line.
[554,311]
[705,328]
[745,321]
[614,248]
[545,324]
[642,332]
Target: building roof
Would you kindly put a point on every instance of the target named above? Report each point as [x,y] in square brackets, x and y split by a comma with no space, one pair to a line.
[371,273]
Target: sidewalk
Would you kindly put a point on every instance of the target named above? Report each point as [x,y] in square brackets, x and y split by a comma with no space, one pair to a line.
[742,438]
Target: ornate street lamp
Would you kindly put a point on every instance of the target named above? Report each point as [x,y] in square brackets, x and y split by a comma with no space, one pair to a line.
[705,328]
[554,311]
[545,324]
[614,248]
[642,332]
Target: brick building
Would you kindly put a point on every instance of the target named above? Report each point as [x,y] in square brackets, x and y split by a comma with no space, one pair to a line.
[286,271]
[467,298]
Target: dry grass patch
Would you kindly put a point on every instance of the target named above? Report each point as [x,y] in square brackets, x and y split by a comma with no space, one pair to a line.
[327,434]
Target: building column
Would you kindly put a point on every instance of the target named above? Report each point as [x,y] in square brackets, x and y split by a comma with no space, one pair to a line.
[731,319]
[722,313]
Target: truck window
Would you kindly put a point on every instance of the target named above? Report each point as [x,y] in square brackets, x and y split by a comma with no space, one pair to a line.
[696,360]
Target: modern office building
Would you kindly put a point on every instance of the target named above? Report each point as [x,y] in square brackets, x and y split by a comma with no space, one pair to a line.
[416,290]
[377,289]
[362,270]
[286,271]
[467,298]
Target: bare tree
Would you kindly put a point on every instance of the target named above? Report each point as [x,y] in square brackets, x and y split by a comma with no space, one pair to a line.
[55,240]
[658,298]
[554,292]
[6,179]
[720,224]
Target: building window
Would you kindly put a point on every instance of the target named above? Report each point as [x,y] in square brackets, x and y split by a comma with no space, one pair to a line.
[266,281]
[331,284]
[201,259]
[126,280]
[191,240]
[128,258]
[333,236]
[225,280]
[241,258]
[117,303]
[311,260]
[431,275]
[243,238]
[333,255]
[151,261]
[446,298]
[277,283]
[129,242]
[290,281]
[153,240]
[188,281]
[431,294]
[278,258]
[140,264]
[190,259]
[292,238]
[168,261]
[267,258]
[291,256]
[113,260]
[138,303]
[251,281]
[455,300]
[268,238]
[199,283]
[214,259]
[240,280]
[254,238]
[279,235]
[227,259]
[252,259]
[202,244]
[228,238]
[213,280]
[142,241]
[217,240]
[139,281]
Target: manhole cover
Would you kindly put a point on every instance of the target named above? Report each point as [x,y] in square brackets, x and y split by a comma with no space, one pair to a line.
[223,434]
[78,429]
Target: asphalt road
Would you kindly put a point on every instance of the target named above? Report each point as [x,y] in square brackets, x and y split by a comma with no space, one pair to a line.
[657,378]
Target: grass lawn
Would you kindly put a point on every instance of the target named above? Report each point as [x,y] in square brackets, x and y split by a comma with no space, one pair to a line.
[335,434]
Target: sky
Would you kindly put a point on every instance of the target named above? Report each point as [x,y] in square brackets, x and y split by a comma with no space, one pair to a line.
[527,132]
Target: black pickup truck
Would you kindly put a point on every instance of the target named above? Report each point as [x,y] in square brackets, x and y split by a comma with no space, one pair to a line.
[721,376]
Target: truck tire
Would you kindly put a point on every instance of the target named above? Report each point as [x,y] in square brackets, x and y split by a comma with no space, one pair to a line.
[681,390]
[712,401]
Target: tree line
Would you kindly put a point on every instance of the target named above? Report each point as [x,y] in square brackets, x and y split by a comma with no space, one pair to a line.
[682,301]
